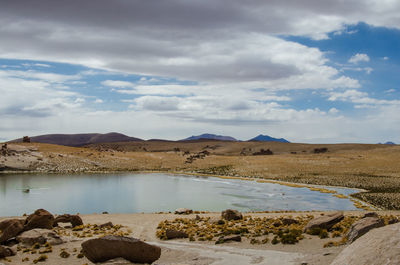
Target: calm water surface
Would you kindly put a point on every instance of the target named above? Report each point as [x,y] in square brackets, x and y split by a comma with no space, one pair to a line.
[132,193]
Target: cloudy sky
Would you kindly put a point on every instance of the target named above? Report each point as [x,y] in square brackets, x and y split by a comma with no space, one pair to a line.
[309,71]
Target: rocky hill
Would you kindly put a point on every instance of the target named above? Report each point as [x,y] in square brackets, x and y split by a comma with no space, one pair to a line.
[81,139]
[210,137]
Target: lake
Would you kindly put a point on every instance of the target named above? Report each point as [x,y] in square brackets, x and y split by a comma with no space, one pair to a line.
[154,192]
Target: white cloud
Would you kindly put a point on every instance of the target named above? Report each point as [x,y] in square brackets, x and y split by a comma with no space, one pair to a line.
[333,110]
[99,101]
[230,51]
[392,90]
[117,83]
[361,99]
[359,57]
[385,58]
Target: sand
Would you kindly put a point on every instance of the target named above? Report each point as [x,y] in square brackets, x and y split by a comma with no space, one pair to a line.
[181,251]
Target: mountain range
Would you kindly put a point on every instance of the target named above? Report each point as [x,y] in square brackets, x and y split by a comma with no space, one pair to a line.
[95,138]
[209,136]
[266,138]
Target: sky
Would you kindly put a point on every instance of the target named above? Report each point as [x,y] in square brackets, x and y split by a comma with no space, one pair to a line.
[309,71]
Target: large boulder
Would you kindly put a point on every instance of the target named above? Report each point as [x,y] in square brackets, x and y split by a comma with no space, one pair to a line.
[362,226]
[40,236]
[378,246]
[10,228]
[172,234]
[75,220]
[110,247]
[183,211]
[230,214]
[39,219]
[324,222]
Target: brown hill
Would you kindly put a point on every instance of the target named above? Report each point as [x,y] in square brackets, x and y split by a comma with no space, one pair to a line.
[81,139]
[231,148]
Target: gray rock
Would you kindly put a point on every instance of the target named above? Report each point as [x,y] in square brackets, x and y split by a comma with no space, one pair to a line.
[230,214]
[378,246]
[40,236]
[362,226]
[324,222]
[111,247]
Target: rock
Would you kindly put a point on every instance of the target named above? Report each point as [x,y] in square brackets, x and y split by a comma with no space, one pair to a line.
[6,252]
[40,236]
[10,228]
[371,214]
[108,224]
[289,221]
[230,214]
[75,220]
[224,239]
[110,247]
[378,246]
[39,219]
[324,222]
[172,233]
[183,211]
[393,221]
[362,226]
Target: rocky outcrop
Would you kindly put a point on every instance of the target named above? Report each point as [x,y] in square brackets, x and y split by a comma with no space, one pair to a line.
[230,214]
[378,246]
[75,220]
[172,234]
[362,226]
[39,219]
[110,247]
[10,228]
[324,222]
[40,236]
[183,211]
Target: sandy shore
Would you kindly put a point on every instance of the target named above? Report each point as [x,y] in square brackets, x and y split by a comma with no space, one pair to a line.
[181,251]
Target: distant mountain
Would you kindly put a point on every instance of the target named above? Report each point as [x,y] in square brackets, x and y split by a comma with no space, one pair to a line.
[81,139]
[266,138]
[390,143]
[209,137]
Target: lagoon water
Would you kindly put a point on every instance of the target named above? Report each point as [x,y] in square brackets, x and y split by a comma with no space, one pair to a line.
[135,193]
